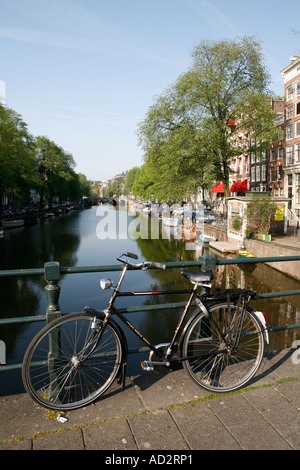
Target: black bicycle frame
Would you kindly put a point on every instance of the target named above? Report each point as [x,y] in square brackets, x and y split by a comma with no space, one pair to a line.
[113,310]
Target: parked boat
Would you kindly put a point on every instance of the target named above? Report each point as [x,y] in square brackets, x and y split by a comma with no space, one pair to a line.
[206,238]
[244,254]
[170,221]
[48,214]
[147,209]
[13,223]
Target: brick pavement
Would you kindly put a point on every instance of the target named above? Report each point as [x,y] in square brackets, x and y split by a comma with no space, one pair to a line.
[168,413]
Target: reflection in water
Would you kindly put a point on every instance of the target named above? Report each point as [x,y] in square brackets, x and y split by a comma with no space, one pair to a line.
[72,241]
[280,311]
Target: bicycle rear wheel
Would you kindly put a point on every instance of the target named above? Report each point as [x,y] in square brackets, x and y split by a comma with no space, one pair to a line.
[212,362]
[64,368]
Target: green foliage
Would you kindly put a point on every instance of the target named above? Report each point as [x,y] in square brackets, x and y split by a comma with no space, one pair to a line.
[185,134]
[27,163]
[130,178]
[260,214]
[55,167]
[16,153]
[116,188]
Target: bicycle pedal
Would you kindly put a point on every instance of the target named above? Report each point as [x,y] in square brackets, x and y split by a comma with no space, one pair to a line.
[146,366]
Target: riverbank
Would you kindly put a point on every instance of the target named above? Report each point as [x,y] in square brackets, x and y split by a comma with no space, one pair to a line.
[287,245]
[168,413]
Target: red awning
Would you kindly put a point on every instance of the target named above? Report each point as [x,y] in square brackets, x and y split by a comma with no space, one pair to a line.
[239,186]
[218,188]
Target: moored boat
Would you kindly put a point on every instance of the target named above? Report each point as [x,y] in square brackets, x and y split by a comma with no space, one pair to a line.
[170,221]
[206,238]
[244,254]
[13,223]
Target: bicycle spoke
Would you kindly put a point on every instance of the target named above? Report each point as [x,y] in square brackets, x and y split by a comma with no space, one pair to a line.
[78,367]
[213,360]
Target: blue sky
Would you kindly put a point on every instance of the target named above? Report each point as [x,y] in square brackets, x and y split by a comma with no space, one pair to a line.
[85,72]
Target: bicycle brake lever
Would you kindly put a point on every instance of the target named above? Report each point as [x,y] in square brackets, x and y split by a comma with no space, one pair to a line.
[154,264]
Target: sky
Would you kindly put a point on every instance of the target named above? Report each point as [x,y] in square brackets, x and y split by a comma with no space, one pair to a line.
[85,72]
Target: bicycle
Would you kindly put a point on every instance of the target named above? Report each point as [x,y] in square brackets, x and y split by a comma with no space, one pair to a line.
[74,359]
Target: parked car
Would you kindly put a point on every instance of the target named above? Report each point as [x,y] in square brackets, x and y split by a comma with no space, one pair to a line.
[182,211]
[201,216]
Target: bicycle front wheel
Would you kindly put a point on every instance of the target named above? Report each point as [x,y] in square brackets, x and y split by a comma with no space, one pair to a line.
[211,360]
[66,366]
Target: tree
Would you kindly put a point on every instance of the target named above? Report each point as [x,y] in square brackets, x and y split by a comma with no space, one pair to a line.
[130,178]
[116,187]
[16,154]
[77,187]
[55,167]
[260,214]
[144,186]
[186,135]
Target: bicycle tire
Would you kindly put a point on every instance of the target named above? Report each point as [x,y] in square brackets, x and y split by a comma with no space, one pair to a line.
[212,365]
[58,372]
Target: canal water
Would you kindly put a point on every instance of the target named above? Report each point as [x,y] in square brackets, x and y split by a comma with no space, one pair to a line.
[82,239]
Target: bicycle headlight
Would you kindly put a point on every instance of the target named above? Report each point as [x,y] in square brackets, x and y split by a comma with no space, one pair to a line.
[106,283]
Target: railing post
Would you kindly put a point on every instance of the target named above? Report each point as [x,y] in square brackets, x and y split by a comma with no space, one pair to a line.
[52,276]
[208,263]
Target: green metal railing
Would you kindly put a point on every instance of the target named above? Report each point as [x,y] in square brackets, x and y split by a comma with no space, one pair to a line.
[52,273]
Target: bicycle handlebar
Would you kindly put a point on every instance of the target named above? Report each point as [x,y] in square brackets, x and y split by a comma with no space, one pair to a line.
[144,265]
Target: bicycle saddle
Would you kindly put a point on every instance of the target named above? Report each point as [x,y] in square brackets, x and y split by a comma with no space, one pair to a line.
[198,277]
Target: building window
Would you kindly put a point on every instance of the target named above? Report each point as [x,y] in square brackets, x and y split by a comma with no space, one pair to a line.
[280,137]
[297,128]
[297,88]
[272,155]
[253,174]
[298,189]
[271,174]
[263,173]
[297,153]
[289,155]
[257,173]
[253,157]
[280,152]
[289,112]
[246,164]
[289,93]
[279,172]
[289,131]
[297,108]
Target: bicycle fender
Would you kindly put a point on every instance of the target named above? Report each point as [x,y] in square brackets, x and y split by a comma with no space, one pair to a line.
[262,320]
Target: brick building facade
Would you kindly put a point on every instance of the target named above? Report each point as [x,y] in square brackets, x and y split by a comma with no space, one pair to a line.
[276,169]
[291,78]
